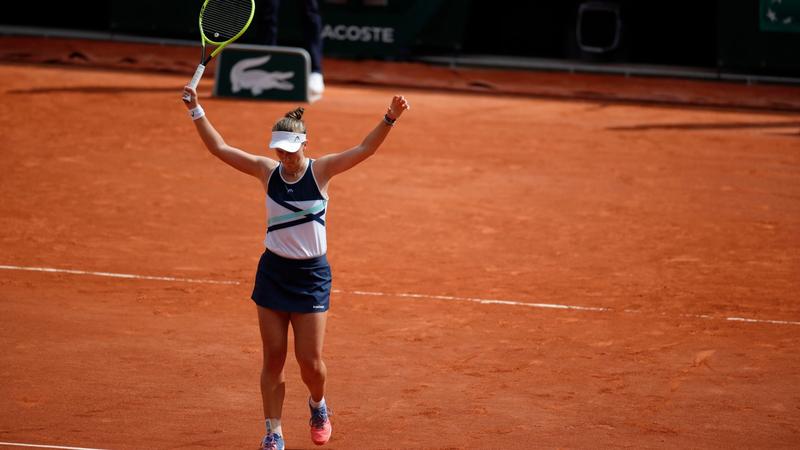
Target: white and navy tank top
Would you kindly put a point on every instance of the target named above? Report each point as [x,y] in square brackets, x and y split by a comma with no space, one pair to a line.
[296,216]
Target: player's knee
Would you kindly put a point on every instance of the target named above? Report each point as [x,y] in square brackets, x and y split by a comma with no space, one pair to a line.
[312,365]
[273,363]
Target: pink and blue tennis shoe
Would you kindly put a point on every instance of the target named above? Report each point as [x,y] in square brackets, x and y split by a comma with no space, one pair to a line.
[320,424]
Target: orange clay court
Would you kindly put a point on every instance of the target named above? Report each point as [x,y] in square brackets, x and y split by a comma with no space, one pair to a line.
[510,271]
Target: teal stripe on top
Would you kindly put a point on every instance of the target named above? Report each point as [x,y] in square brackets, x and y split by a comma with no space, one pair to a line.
[296,215]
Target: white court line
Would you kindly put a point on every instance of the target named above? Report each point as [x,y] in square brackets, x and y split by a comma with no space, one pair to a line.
[557,306]
[777,322]
[116,275]
[18,444]
[482,301]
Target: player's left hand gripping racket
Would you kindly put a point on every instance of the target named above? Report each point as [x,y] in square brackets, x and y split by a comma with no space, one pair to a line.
[221,22]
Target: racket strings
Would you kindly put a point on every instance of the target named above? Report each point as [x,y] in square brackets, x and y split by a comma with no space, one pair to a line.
[224,19]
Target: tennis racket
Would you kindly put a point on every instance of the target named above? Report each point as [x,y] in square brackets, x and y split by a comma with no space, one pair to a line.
[221,22]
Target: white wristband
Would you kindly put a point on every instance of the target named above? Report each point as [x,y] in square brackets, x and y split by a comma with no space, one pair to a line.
[197,112]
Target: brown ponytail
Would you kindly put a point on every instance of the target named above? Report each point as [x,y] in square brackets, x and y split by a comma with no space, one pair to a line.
[292,121]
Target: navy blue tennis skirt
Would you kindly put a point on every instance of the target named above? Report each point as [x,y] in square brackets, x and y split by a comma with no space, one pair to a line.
[293,285]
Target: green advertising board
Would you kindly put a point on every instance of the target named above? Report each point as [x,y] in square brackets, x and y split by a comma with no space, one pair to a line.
[363,28]
[780,15]
[375,27]
[263,72]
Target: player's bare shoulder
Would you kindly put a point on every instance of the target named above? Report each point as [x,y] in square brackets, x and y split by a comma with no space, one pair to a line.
[322,170]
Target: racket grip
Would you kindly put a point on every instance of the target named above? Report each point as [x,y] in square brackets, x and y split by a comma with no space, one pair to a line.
[195,80]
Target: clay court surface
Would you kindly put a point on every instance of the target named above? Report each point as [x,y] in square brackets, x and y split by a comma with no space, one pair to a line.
[673,228]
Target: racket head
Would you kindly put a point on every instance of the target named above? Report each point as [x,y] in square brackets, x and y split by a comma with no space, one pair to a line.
[224,21]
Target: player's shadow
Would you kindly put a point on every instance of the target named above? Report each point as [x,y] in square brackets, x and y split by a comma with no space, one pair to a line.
[94,90]
[792,126]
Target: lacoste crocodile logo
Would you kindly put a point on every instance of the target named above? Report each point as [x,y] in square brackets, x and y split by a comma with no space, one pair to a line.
[245,76]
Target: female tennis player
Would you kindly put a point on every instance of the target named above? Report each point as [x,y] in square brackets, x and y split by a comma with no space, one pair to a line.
[293,279]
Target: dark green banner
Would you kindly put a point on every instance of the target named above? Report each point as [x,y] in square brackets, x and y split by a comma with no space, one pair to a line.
[780,15]
[363,28]
[375,28]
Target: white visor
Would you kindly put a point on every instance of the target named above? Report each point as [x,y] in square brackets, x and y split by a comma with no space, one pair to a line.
[287,141]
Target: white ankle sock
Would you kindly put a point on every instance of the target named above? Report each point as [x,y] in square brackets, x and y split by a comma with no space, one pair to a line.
[314,404]
[273,425]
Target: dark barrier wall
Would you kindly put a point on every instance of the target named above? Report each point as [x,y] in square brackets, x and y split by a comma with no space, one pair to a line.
[674,32]
[94,17]
[170,19]
[761,36]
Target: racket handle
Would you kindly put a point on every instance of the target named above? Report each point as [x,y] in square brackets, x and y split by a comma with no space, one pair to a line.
[195,80]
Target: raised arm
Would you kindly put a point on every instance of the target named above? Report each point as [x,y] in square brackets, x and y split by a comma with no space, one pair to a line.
[257,166]
[330,165]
